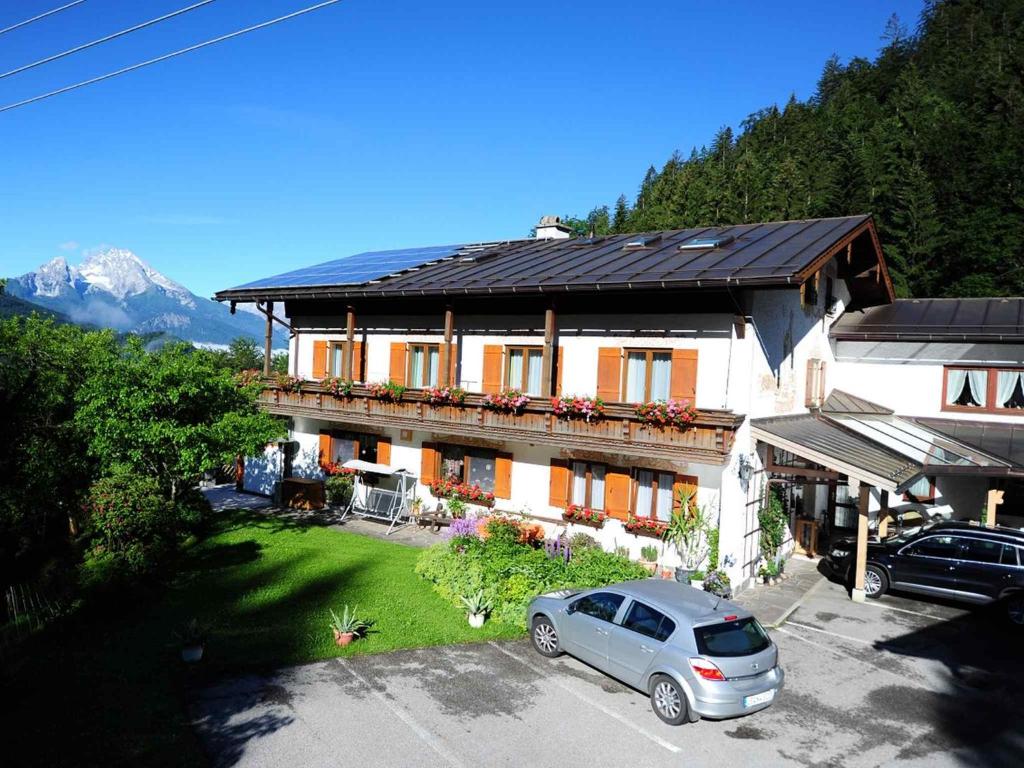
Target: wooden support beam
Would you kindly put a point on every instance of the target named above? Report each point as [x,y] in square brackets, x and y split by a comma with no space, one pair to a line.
[547,369]
[444,376]
[347,352]
[993,498]
[883,516]
[862,544]
[268,340]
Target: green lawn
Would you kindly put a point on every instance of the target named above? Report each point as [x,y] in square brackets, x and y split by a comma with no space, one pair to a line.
[107,687]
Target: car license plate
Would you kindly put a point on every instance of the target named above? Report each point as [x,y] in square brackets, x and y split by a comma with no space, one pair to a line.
[760,698]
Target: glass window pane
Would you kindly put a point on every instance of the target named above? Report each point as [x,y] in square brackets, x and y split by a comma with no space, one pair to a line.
[336,353]
[433,359]
[979,386]
[579,482]
[664,501]
[416,366]
[920,491]
[515,369]
[1010,389]
[647,621]
[481,469]
[955,382]
[946,547]
[597,486]
[342,450]
[735,638]
[982,551]
[452,462]
[600,605]
[636,377]
[644,492]
[534,361]
[661,376]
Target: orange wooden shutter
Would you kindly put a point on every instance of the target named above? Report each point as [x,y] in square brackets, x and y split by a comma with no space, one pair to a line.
[609,373]
[503,476]
[428,463]
[397,369]
[384,450]
[617,485]
[319,359]
[687,484]
[684,375]
[357,361]
[560,366]
[492,369]
[453,366]
[558,493]
[325,447]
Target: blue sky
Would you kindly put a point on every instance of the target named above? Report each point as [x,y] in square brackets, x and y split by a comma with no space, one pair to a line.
[376,124]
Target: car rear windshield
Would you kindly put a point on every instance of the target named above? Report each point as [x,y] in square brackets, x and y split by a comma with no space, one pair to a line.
[742,637]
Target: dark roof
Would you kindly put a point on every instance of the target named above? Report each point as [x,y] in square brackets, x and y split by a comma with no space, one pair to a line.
[988,319]
[774,254]
[1000,439]
[844,402]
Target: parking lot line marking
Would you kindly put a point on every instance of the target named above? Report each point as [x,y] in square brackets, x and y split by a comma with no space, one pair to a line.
[833,634]
[877,604]
[430,738]
[595,704]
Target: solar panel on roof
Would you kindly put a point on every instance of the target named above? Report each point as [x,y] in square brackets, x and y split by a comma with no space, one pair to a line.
[358,268]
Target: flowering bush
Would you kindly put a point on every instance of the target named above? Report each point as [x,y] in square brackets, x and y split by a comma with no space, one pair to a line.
[645,525]
[507,401]
[455,489]
[445,395]
[578,407]
[288,383]
[387,391]
[667,413]
[248,377]
[462,527]
[332,468]
[338,487]
[580,514]
[717,583]
[337,386]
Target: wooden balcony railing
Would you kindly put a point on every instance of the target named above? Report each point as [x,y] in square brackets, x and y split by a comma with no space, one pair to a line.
[709,439]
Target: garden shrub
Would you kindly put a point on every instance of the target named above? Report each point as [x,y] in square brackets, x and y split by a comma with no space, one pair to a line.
[339,489]
[511,571]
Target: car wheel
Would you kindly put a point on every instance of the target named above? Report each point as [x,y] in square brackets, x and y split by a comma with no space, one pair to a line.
[668,700]
[1015,609]
[545,638]
[875,581]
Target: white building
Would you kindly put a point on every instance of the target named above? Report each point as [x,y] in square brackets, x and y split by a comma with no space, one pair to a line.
[735,321]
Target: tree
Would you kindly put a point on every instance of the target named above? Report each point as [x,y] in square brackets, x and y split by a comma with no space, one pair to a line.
[170,415]
[244,354]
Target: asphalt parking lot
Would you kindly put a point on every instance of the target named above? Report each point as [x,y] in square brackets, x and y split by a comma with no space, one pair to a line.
[891,682]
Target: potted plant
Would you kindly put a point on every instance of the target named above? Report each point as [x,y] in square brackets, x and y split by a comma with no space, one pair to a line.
[577,513]
[717,583]
[477,607]
[192,637]
[386,391]
[649,557]
[687,532]
[339,489]
[507,401]
[348,626]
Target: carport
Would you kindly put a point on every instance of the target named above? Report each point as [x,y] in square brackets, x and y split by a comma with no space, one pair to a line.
[867,447]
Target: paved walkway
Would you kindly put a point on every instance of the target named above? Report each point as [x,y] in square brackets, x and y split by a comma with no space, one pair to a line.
[773,604]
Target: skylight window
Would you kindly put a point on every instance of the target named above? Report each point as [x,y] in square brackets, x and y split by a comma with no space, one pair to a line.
[702,243]
[644,241]
[589,240]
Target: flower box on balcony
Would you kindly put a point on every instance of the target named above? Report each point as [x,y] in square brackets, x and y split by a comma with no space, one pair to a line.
[666,413]
[386,391]
[577,407]
[337,386]
[507,401]
[452,489]
[580,515]
[645,526]
[438,396]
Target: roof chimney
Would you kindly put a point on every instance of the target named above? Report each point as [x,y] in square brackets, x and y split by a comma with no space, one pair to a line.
[552,228]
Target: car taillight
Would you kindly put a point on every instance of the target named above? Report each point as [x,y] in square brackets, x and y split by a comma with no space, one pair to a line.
[706,670]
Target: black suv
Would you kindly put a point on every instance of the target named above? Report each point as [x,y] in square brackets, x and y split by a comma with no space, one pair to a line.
[958,561]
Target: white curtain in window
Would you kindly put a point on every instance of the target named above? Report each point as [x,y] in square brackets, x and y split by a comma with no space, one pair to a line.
[342,450]
[979,385]
[433,360]
[336,352]
[661,376]
[636,376]
[515,369]
[1005,386]
[921,489]
[416,367]
[664,503]
[579,482]
[533,371]
[955,380]
[597,486]
[644,492]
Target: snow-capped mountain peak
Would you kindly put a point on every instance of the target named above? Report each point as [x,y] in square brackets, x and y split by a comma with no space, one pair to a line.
[53,278]
[121,273]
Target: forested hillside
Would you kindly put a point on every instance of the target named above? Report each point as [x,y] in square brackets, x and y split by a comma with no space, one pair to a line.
[929,137]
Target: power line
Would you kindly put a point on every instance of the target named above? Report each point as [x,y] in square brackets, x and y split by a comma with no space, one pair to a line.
[108,38]
[167,56]
[40,16]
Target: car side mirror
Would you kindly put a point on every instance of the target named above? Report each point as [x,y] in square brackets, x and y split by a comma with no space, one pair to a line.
[571,609]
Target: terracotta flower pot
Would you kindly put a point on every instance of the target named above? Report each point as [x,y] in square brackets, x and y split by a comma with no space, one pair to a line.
[343,638]
[651,567]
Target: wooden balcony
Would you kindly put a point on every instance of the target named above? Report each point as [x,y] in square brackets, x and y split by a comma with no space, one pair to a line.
[708,440]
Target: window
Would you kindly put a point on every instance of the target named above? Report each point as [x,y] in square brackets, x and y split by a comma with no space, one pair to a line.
[653,496]
[946,547]
[743,637]
[588,484]
[983,389]
[921,492]
[647,621]
[809,291]
[424,360]
[475,466]
[523,369]
[648,375]
[987,551]
[346,446]
[337,353]
[600,605]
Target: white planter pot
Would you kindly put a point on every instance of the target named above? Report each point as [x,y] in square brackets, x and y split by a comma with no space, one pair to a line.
[697,583]
[476,620]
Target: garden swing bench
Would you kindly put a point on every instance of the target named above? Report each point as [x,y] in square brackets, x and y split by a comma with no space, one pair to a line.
[382,493]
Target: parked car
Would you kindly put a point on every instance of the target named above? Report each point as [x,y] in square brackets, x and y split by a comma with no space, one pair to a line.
[694,654]
[955,560]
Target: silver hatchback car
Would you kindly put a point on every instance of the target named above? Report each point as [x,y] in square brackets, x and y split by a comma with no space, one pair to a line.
[695,654]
